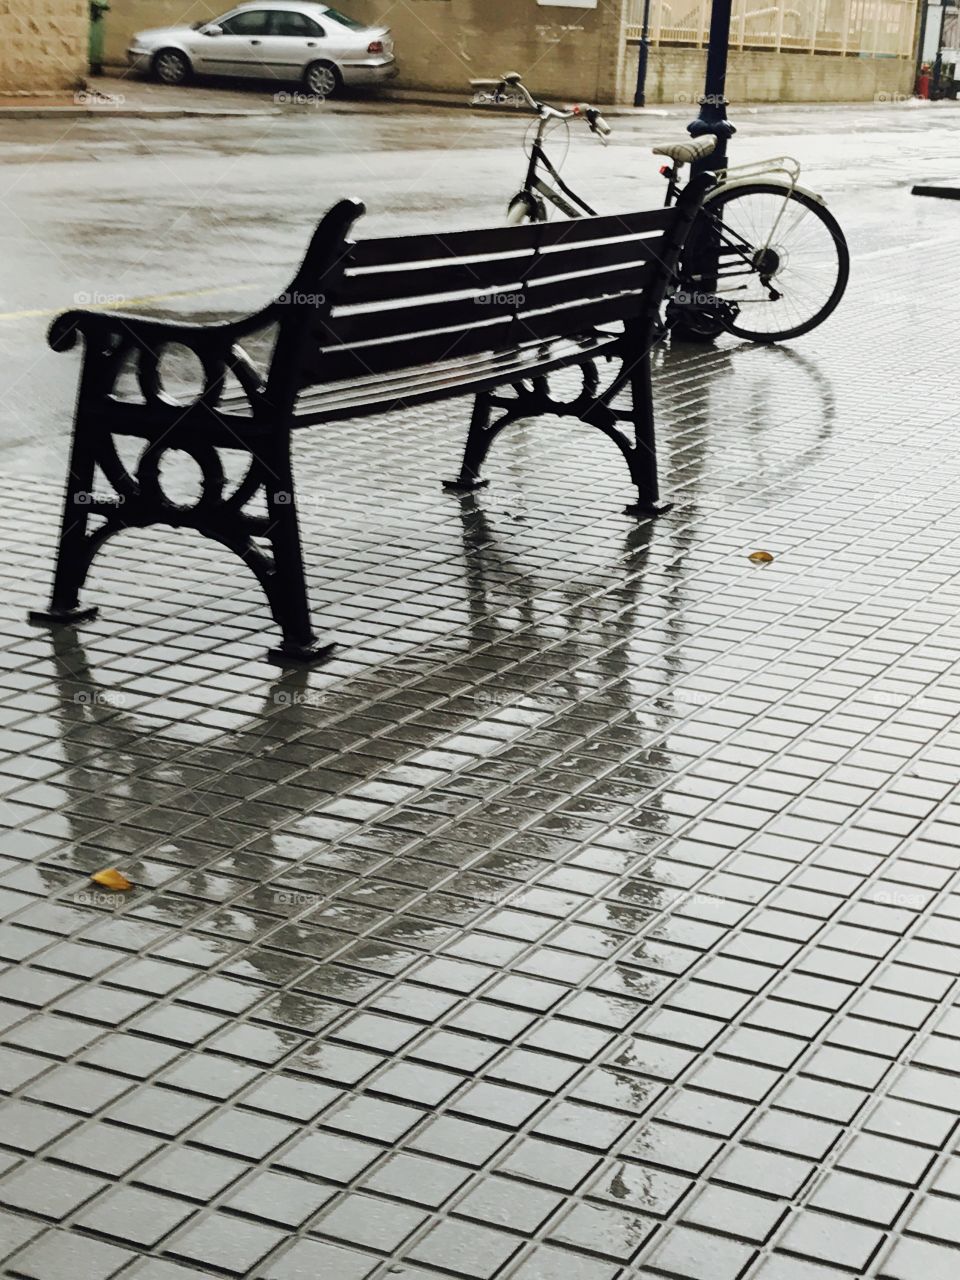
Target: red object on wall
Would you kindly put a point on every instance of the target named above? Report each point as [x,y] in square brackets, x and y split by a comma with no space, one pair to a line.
[923,82]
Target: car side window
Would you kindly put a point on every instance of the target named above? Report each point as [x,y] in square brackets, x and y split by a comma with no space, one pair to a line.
[295,24]
[254,22]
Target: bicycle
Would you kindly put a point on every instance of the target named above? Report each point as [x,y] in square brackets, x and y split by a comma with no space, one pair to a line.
[765,260]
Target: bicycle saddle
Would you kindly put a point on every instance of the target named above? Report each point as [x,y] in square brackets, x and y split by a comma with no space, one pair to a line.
[687,152]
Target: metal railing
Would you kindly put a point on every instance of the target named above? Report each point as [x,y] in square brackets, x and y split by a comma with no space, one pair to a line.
[860,28]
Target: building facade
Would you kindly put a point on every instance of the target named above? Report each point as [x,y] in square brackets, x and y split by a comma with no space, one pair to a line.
[781,51]
[784,50]
[43,45]
[564,50]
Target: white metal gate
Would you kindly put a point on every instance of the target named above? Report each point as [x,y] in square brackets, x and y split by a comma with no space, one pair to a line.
[864,28]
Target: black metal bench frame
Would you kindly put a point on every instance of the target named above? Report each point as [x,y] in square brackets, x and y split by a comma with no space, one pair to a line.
[365,327]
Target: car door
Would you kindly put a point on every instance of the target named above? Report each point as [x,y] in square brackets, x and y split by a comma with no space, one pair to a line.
[238,51]
[294,41]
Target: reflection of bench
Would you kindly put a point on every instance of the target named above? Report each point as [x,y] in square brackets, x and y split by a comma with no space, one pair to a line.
[364,328]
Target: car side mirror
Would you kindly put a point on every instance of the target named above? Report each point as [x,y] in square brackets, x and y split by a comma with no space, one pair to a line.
[213,30]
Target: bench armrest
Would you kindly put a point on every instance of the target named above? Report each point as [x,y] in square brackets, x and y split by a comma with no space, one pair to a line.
[146,331]
[109,336]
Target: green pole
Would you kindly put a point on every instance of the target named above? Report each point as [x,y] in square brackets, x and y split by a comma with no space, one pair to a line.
[95,50]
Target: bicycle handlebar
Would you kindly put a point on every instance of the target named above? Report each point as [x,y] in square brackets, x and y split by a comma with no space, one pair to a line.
[595,120]
[510,81]
[513,80]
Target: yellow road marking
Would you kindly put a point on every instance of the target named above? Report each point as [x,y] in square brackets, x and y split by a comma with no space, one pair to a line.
[119,304]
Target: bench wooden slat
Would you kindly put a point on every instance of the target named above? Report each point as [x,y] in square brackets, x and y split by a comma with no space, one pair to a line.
[392,354]
[389,284]
[610,227]
[516,296]
[420,282]
[585,257]
[584,270]
[551,321]
[585,287]
[464,376]
[393,322]
[395,250]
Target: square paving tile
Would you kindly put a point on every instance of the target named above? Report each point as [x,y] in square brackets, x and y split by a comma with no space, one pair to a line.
[591,913]
[135,1216]
[369,1222]
[275,1197]
[199,1175]
[309,1259]
[466,1248]
[614,1233]
[501,1202]
[47,1190]
[831,1240]
[226,1242]
[61,1255]
[692,1254]
[417,1179]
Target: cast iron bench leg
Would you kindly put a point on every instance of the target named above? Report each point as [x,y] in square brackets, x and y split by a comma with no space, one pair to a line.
[643,459]
[74,549]
[286,584]
[479,440]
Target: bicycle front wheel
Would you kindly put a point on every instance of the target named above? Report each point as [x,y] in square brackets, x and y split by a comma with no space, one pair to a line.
[525,207]
[780,256]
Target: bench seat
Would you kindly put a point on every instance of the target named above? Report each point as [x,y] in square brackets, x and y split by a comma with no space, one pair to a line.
[447,380]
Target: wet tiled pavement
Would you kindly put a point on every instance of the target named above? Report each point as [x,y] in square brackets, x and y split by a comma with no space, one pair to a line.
[591,915]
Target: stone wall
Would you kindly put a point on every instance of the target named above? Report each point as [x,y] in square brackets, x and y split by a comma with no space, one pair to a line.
[442,44]
[43,45]
[129,16]
[561,52]
[675,75]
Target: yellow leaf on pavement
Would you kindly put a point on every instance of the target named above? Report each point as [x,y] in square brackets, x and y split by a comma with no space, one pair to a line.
[111,878]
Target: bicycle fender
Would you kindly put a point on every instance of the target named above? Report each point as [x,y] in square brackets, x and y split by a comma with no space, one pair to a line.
[766,182]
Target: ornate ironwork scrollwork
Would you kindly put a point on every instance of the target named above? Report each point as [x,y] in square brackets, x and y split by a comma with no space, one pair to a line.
[537,397]
[216,368]
[593,405]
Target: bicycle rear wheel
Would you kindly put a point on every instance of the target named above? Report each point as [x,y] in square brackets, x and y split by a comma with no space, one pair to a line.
[782,259]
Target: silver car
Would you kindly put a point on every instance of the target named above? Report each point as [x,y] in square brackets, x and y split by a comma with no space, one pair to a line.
[271,40]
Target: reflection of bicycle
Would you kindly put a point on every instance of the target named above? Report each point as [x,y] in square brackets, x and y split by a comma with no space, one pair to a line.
[748,401]
[765,259]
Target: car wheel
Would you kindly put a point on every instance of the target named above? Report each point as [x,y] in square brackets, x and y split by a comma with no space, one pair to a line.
[170,66]
[322,79]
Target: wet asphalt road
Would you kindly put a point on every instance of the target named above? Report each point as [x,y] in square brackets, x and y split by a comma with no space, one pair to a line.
[218,211]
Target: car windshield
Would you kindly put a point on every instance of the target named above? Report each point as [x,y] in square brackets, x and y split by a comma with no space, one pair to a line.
[344,20]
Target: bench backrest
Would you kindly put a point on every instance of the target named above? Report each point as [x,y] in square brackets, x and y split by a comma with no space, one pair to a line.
[376,307]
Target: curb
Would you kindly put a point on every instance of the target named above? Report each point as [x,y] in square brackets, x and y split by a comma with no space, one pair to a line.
[400,98]
[129,113]
[621,111]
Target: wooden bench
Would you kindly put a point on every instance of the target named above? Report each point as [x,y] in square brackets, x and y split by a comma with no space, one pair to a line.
[364,327]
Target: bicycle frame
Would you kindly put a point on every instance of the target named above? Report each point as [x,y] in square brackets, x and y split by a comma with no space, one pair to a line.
[533,182]
[784,167]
